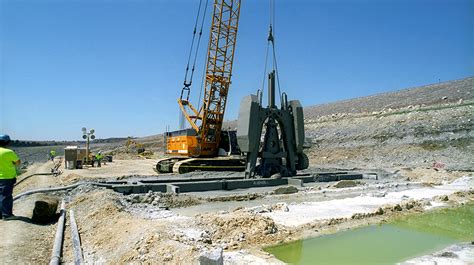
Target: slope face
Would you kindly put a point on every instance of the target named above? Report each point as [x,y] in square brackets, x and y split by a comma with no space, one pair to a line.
[446,92]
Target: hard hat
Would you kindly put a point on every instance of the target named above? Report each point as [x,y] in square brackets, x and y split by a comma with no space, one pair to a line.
[4,138]
[100,152]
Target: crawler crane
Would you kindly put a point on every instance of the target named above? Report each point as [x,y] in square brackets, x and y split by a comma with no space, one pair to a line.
[271,138]
[205,146]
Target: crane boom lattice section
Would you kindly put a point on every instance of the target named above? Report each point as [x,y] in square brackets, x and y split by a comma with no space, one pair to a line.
[220,58]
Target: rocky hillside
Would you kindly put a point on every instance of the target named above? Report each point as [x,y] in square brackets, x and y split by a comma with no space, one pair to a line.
[428,126]
[441,93]
[436,136]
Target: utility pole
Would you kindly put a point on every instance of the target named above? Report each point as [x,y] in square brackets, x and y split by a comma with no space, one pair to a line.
[87,136]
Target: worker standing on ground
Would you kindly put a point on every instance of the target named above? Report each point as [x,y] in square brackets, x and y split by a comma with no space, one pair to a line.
[98,158]
[52,155]
[9,164]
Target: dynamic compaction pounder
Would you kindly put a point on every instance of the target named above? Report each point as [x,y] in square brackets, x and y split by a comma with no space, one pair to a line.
[281,149]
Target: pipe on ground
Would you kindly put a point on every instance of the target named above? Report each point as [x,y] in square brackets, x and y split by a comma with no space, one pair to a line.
[58,240]
[76,240]
[60,189]
[32,175]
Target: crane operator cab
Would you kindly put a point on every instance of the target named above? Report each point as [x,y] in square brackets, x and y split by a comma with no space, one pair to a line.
[228,145]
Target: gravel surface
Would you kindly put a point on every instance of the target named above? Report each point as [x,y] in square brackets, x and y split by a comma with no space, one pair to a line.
[438,136]
[446,92]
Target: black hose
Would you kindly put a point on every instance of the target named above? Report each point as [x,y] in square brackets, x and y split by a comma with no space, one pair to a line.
[45,190]
[36,174]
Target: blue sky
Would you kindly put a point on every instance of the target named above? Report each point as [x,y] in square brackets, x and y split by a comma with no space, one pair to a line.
[118,66]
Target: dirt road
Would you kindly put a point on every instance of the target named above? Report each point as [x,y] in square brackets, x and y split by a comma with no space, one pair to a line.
[22,241]
[25,242]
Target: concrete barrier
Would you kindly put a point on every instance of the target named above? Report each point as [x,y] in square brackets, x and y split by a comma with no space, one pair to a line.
[203,184]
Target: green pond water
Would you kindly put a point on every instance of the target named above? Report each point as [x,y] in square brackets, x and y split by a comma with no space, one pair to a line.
[397,241]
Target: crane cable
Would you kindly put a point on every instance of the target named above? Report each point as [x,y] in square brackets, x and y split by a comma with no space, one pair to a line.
[199,40]
[202,80]
[202,86]
[271,40]
[205,62]
[187,82]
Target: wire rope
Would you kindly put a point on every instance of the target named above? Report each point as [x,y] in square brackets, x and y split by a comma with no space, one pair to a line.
[271,39]
[192,46]
[199,39]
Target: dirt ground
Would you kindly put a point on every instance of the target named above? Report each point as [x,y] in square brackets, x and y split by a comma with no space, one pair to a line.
[32,243]
[23,241]
[423,157]
[177,229]
[114,170]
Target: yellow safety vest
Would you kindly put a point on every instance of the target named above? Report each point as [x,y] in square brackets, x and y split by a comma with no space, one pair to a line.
[8,159]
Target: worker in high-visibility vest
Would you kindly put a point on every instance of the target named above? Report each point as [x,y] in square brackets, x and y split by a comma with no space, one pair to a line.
[52,154]
[9,167]
[98,158]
